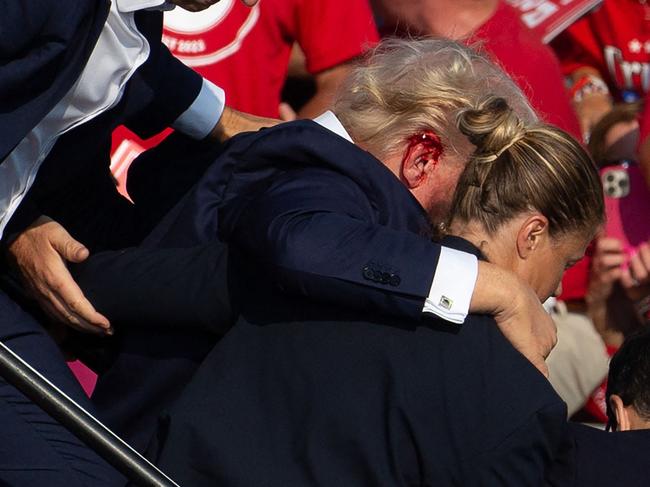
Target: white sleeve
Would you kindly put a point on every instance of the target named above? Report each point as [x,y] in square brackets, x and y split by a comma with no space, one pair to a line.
[453,285]
[204,112]
[135,5]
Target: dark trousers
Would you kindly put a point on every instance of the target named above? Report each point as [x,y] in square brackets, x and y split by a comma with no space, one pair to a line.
[35,450]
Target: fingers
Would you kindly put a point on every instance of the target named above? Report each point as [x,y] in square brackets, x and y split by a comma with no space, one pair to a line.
[67,247]
[60,295]
[540,364]
[287,114]
[40,254]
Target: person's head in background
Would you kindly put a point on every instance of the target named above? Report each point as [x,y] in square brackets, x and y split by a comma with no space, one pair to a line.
[616,135]
[530,198]
[628,385]
[401,105]
[453,19]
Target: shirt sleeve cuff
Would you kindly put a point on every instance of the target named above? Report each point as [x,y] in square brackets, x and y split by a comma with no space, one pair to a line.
[453,286]
[135,5]
[204,112]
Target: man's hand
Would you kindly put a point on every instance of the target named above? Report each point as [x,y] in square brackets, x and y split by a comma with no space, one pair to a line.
[40,254]
[233,122]
[518,312]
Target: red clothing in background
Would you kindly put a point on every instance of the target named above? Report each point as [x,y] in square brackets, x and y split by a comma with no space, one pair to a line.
[615,40]
[246,50]
[531,64]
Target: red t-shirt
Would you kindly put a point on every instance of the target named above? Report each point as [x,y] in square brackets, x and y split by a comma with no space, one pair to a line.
[615,40]
[531,64]
[246,52]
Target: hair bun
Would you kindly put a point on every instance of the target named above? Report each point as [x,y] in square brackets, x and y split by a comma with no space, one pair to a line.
[493,127]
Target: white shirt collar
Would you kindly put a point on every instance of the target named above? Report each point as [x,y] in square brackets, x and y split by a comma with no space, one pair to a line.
[329,121]
[134,5]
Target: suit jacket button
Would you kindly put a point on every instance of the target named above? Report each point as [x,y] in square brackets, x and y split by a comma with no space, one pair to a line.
[394,280]
[368,273]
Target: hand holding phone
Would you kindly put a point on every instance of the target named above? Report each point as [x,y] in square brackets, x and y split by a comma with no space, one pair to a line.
[627,206]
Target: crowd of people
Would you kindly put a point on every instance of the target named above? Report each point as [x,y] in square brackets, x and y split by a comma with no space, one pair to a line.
[360,284]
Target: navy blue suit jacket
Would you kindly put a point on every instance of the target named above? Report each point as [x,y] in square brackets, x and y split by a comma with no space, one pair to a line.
[47,45]
[44,46]
[326,218]
[367,247]
[299,393]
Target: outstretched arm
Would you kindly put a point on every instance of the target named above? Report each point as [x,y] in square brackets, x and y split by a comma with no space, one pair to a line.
[318,234]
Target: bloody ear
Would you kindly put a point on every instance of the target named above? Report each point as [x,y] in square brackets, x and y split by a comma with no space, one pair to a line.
[426,141]
[423,150]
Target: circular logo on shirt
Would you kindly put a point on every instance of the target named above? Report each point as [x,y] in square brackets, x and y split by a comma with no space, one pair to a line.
[182,21]
[207,37]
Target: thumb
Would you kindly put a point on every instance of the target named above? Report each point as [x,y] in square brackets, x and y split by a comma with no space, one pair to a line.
[70,249]
[287,114]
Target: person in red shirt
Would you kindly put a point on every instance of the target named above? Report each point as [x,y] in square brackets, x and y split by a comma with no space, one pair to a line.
[498,27]
[606,55]
[246,51]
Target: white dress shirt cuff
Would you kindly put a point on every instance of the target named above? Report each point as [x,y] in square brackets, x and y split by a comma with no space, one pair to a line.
[204,112]
[453,286]
[135,5]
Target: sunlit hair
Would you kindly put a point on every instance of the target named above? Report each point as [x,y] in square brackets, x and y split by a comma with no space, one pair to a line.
[404,86]
[517,168]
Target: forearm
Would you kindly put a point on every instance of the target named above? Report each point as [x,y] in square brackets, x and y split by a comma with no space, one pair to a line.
[233,122]
[172,288]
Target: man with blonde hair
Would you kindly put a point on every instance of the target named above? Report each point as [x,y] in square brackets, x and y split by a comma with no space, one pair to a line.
[392,129]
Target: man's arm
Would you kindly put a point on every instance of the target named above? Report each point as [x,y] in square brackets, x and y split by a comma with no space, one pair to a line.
[317,240]
[42,248]
[327,82]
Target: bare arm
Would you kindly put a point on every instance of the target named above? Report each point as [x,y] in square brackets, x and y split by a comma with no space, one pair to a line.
[233,122]
[327,82]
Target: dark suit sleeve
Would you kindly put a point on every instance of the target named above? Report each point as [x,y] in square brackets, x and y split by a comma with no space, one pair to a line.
[44,46]
[318,235]
[526,455]
[171,88]
[599,458]
[162,288]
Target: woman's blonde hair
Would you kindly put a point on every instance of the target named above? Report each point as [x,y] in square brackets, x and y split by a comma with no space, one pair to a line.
[517,168]
[404,86]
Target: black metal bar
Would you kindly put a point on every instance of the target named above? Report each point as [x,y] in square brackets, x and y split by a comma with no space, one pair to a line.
[80,422]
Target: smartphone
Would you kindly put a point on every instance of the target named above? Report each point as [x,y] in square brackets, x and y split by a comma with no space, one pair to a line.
[627,205]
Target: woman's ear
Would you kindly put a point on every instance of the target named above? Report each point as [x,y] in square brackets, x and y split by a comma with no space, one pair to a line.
[621,413]
[532,234]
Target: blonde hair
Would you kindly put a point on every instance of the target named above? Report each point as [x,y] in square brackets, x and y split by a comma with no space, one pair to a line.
[405,86]
[517,168]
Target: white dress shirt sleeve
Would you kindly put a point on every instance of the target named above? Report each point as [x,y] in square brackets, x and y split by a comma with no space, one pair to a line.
[135,5]
[453,286]
[204,113]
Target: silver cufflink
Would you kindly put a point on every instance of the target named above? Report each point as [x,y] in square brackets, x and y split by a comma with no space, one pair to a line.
[446,303]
